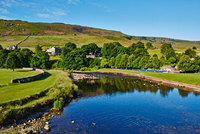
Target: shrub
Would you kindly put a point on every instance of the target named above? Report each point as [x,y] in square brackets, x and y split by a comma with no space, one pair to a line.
[58,104]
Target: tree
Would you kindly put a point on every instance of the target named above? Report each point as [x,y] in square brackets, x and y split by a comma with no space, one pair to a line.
[190,53]
[154,62]
[91,48]
[118,60]
[194,47]
[110,49]
[40,60]
[1,48]
[75,60]
[68,48]
[149,45]
[131,58]
[172,60]
[38,48]
[124,61]
[143,63]
[185,63]
[12,61]
[196,64]
[168,51]
[104,63]
[112,62]
[27,55]
[3,57]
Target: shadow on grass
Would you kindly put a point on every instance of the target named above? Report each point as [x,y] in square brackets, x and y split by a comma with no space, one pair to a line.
[45,76]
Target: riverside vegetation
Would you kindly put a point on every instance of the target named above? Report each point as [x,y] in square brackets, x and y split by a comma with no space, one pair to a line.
[20,99]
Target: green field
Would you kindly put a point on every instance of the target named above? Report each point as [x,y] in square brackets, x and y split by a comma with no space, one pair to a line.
[7,75]
[80,39]
[190,78]
[19,91]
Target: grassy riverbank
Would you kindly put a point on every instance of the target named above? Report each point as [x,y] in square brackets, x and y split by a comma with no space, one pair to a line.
[20,98]
[190,78]
[7,75]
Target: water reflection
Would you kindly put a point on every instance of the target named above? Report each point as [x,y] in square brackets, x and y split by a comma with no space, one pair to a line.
[117,84]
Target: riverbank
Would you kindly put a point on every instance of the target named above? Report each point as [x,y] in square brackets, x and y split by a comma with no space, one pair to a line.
[59,86]
[188,82]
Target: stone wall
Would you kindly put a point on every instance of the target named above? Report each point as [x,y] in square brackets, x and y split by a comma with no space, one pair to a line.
[30,78]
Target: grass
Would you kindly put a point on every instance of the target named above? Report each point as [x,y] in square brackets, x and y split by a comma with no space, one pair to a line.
[190,78]
[55,86]
[7,75]
[19,91]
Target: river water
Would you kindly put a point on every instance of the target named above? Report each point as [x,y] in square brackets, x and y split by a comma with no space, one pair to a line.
[127,105]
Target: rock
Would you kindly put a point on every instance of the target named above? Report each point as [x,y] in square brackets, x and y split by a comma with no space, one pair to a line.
[174,128]
[47,127]
[182,113]
[73,122]
[47,123]
[94,124]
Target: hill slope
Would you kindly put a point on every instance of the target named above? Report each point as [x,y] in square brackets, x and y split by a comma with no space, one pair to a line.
[48,34]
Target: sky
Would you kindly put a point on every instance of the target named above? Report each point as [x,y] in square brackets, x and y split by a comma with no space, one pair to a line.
[179,19]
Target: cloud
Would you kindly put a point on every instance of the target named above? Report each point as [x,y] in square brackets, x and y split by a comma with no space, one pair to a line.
[3,11]
[7,3]
[6,18]
[41,15]
[105,8]
[58,12]
[73,1]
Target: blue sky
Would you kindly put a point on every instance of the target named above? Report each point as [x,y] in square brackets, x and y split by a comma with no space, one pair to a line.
[178,19]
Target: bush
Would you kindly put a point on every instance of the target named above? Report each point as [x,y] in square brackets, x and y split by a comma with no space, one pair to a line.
[85,69]
[58,104]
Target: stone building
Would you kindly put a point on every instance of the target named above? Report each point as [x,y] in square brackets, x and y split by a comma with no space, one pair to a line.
[12,47]
[54,50]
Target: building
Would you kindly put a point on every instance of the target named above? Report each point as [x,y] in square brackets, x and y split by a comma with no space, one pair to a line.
[54,50]
[12,47]
[90,55]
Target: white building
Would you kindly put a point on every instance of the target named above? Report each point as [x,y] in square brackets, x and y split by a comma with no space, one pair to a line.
[11,47]
[54,50]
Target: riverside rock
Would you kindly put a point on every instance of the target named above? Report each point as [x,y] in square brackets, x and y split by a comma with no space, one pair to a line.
[47,127]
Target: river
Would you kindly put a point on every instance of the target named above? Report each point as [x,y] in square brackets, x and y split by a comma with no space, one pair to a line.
[126,105]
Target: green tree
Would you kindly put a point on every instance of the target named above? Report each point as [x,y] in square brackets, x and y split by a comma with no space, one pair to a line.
[112,62]
[190,53]
[131,58]
[149,45]
[168,51]
[124,61]
[1,48]
[118,60]
[184,63]
[143,63]
[38,49]
[12,61]
[68,48]
[172,60]
[3,57]
[91,48]
[27,55]
[194,47]
[104,63]
[40,60]
[154,62]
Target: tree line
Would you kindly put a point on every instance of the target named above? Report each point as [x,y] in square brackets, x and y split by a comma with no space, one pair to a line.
[111,55]
[19,58]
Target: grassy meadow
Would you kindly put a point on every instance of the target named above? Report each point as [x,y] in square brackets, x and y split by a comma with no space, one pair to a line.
[82,39]
[190,78]
[19,91]
[7,75]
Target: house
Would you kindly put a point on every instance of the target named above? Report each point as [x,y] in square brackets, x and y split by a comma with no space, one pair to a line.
[169,69]
[12,47]
[54,50]
[90,55]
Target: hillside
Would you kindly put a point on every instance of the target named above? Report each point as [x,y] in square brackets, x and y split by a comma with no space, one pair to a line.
[48,34]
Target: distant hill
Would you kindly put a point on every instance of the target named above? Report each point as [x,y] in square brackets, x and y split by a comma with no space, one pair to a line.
[23,28]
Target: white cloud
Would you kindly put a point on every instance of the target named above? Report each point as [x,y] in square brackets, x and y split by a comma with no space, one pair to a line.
[7,3]
[3,11]
[6,18]
[103,7]
[43,15]
[73,1]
